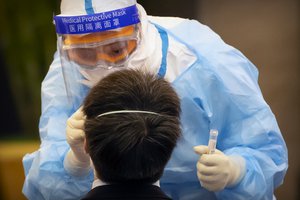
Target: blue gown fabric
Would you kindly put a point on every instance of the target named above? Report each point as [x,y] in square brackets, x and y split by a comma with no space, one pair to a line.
[219,91]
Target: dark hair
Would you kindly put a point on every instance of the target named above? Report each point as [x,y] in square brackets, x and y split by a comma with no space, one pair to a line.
[131,147]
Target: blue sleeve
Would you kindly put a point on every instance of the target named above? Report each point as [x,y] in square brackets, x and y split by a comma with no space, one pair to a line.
[221,91]
[46,177]
[247,127]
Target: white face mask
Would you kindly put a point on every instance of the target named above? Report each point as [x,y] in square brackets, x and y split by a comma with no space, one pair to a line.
[92,77]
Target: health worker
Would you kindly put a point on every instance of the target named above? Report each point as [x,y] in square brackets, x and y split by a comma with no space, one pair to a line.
[217,84]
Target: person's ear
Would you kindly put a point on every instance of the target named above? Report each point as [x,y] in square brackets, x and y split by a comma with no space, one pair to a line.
[85,145]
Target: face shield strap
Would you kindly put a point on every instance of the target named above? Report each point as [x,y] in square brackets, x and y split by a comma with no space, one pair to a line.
[97,22]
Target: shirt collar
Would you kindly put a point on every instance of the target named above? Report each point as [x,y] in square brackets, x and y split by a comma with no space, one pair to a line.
[99,182]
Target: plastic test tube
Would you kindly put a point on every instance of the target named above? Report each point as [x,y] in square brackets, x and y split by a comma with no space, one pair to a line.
[212,143]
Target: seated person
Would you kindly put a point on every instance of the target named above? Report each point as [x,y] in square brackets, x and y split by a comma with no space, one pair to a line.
[132,126]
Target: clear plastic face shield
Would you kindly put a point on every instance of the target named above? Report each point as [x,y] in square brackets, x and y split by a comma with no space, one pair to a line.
[92,46]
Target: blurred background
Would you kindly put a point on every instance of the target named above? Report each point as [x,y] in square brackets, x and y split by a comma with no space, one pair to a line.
[266,31]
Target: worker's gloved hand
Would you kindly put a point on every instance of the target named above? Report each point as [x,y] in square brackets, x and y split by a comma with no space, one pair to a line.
[77,161]
[217,171]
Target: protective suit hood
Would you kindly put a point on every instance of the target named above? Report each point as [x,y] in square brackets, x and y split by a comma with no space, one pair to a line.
[81,7]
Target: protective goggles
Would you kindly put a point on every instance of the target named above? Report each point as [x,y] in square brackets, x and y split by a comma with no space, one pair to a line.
[109,48]
[99,40]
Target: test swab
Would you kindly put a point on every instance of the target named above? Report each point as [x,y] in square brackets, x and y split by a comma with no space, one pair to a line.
[212,143]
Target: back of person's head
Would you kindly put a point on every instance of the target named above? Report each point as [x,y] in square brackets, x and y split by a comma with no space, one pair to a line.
[125,145]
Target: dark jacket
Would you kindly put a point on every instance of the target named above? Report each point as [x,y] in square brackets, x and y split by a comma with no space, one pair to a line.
[127,192]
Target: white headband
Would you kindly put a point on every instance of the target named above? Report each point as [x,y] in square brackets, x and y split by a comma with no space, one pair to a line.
[128,111]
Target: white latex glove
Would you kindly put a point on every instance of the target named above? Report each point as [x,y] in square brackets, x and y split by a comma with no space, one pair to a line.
[217,171]
[77,161]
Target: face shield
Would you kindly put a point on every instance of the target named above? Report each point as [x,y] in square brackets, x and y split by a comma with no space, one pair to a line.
[91,46]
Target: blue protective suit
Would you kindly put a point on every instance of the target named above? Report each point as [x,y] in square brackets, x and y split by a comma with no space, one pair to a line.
[219,90]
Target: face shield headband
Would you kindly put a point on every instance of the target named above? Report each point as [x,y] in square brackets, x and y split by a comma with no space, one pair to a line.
[99,22]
